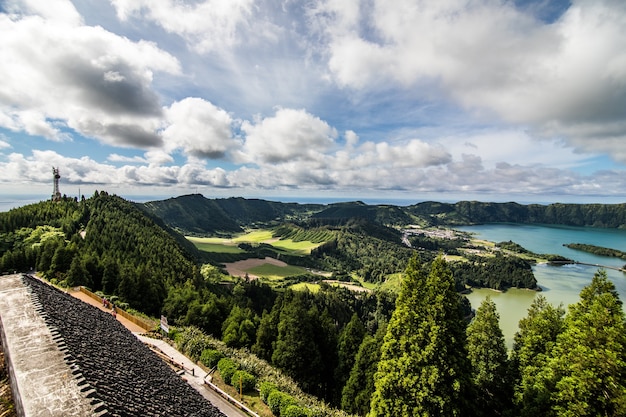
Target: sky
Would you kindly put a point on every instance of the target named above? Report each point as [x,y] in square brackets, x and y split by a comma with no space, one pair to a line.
[490,100]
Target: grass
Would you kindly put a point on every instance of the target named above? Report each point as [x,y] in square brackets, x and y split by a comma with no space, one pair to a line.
[229,245]
[216,247]
[301,286]
[297,248]
[254,236]
[392,283]
[276,272]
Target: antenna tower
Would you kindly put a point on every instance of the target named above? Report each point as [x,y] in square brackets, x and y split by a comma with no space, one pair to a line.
[56,195]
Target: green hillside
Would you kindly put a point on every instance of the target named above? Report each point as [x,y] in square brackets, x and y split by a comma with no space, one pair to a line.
[473,212]
[105,243]
[196,215]
[326,350]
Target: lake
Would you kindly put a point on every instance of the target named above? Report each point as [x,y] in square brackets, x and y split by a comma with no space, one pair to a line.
[560,284]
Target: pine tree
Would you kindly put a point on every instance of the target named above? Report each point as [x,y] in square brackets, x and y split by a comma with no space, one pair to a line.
[296,351]
[589,360]
[357,393]
[532,348]
[424,370]
[348,347]
[489,358]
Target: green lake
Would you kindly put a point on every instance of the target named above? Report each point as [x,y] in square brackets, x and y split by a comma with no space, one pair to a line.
[560,284]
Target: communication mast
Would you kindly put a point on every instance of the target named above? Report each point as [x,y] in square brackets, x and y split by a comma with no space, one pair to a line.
[56,195]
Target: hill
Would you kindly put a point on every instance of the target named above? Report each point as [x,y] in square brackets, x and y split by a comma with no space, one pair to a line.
[382,214]
[195,214]
[105,243]
[474,212]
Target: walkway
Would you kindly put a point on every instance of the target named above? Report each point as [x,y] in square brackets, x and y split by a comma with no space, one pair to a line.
[125,322]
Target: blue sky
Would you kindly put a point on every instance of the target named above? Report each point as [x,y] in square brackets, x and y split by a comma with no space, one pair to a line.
[460,99]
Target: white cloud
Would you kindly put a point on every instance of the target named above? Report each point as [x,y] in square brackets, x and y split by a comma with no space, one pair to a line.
[207,25]
[4,144]
[458,177]
[121,158]
[290,135]
[57,10]
[199,128]
[564,79]
[58,76]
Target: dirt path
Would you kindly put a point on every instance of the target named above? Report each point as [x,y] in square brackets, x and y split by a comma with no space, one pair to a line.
[125,322]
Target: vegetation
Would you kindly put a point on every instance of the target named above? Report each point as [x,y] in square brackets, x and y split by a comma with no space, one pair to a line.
[475,212]
[407,347]
[490,365]
[499,272]
[597,250]
[423,369]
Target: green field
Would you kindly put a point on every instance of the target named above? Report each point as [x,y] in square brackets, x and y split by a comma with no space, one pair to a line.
[253,236]
[276,272]
[211,244]
[301,286]
[296,248]
[229,245]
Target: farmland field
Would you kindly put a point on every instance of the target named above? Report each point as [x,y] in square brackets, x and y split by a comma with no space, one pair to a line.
[275,271]
[301,286]
[254,236]
[297,248]
[229,245]
[214,245]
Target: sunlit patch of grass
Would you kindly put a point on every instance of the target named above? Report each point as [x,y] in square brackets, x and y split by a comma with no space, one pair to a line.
[254,236]
[217,245]
[275,271]
[302,286]
[301,248]
[392,283]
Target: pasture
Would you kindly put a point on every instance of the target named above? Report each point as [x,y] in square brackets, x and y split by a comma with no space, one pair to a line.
[216,245]
[229,245]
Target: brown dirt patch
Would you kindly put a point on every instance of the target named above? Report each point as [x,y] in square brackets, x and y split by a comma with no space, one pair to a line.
[239,268]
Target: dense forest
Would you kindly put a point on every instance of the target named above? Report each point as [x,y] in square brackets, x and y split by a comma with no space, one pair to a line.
[187,213]
[475,212]
[412,352]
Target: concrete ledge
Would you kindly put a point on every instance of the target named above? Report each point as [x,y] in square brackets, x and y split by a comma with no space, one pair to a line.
[43,383]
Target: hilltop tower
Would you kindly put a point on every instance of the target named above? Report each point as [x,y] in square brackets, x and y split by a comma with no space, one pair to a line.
[56,194]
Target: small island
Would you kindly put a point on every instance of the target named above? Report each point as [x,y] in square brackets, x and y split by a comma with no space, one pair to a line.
[597,250]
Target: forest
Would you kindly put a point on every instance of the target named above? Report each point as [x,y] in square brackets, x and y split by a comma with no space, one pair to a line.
[368,353]
[475,212]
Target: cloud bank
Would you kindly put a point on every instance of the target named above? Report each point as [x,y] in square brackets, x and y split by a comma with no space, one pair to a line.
[416,96]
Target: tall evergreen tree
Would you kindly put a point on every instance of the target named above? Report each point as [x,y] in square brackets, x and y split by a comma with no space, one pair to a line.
[489,358]
[357,393]
[347,349]
[424,370]
[296,351]
[532,348]
[589,360]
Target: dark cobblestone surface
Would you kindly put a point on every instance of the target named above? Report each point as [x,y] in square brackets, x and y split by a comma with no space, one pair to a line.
[114,368]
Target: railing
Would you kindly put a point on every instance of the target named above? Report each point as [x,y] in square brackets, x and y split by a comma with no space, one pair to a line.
[227,397]
[144,324]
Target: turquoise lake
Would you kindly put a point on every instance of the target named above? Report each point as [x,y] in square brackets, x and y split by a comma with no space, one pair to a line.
[560,284]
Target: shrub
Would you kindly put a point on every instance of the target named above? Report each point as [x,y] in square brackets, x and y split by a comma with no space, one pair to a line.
[246,379]
[227,368]
[210,357]
[294,411]
[265,389]
[195,346]
[278,402]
